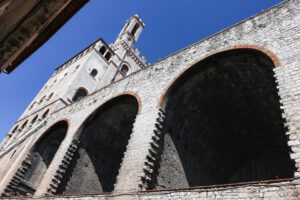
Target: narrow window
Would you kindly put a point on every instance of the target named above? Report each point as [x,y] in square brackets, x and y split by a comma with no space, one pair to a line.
[34,119]
[81,93]
[45,114]
[107,56]
[94,73]
[124,70]
[42,99]
[24,124]
[15,129]
[135,28]
[50,96]
[102,50]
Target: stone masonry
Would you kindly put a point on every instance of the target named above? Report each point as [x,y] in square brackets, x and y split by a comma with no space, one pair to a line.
[216,120]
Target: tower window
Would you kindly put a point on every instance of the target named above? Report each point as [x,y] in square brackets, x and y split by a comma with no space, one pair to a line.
[94,73]
[107,56]
[124,70]
[102,50]
[135,28]
[80,94]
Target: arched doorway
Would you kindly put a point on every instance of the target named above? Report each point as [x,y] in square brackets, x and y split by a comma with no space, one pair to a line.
[224,124]
[40,157]
[102,142]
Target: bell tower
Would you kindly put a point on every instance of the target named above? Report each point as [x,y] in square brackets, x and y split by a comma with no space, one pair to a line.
[129,35]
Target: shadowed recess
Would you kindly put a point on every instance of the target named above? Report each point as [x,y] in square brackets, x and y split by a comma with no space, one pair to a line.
[41,157]
[103,141]
[224,124]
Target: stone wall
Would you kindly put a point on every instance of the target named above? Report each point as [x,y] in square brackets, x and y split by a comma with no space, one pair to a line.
[274,33]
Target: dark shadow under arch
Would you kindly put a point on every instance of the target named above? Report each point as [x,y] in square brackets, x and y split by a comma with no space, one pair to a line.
[224,124]
[103,139]
[41,156]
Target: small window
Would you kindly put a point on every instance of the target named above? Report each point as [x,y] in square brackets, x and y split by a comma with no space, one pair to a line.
[77,66]
[42,99]
[102,50]
[45,114]
[15,129]
[80,94]
[135,28]
[24,124]
[50,96]
[124,70]
[34,119]
[66,74]
[107,56]
[94,73]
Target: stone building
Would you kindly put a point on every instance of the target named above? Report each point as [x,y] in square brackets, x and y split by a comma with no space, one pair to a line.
[216,120]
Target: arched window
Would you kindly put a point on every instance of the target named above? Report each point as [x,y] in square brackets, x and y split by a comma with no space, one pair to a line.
[34,119]
[80,93]
[107,56]
[94,73]
[24,124]
[124,70]
[45,114]
[102,50]
[135,28]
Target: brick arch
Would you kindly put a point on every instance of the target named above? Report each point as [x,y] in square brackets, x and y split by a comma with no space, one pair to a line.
[108,126]
[39,157]
[276,61]
[42,135]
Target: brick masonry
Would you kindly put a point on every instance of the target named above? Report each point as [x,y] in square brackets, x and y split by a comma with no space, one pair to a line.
[275,32]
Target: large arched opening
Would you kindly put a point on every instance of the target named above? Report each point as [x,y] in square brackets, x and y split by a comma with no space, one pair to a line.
[40,158]
[224,124]
[102,142]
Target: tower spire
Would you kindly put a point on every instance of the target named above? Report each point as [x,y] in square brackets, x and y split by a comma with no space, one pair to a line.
[131,31]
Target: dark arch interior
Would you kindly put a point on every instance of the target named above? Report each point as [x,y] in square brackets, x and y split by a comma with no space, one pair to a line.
[224,124]
[80,93]
[41,157]
[102,144]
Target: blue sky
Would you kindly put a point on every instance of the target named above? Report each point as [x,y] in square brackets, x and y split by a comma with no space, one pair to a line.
[170,26]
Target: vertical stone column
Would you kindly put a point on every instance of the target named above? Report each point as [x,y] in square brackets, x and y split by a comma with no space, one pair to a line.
[138,164]
[287,78]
